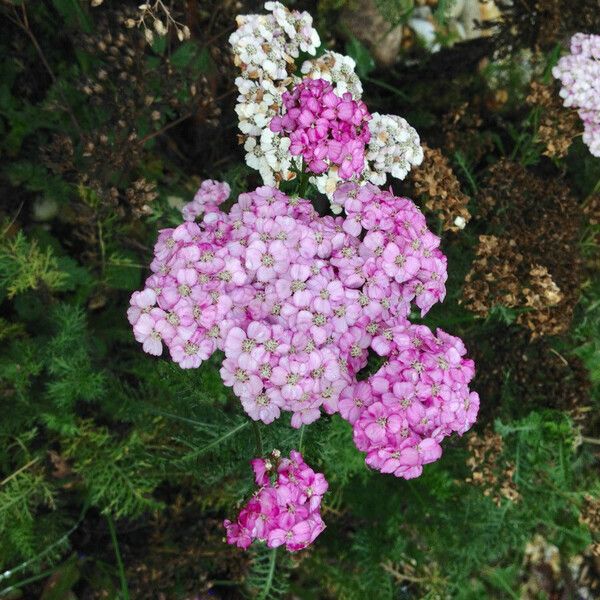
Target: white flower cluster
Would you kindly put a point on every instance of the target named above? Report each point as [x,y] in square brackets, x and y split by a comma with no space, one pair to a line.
[265,48]
[579,73]
[394,148]
[336,68]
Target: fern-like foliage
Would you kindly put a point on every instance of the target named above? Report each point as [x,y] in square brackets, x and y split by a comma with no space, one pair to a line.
[21,495]
[118,475]
[73,375]
[25,266]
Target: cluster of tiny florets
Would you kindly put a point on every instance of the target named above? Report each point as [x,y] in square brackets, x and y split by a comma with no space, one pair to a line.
[326,130]
[266,48]
[394,148]
[297,301]
[579,73]
[293,299]
[286,508]
[420,396]
[337,69]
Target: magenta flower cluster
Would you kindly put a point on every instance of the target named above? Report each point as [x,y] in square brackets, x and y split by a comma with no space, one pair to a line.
[206,200]
[325,129]
[579,73]
[286,507]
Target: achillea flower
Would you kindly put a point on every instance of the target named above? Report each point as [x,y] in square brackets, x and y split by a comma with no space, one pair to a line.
[579,73]
[285,510]
[324,129]
[419,397]
[294,301]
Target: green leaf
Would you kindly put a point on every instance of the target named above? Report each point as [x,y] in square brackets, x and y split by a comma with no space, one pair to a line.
[62,581]
[73,14]
[122,273]
[182,57]
[159,44]
[364,61]
[190,56]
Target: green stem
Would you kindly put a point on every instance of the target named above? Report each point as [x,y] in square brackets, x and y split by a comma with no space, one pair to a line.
[122,577]
[10,572]
[258,438]
[269,583]
[303,186]
[300,443]
[24,582]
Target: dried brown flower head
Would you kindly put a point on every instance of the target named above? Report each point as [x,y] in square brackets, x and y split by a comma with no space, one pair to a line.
[501,275]
[539,376]
[558,125]
[591,209]
[590,513]
[488,469]
[462,127]
[140,195]
[534,265]
[437,183]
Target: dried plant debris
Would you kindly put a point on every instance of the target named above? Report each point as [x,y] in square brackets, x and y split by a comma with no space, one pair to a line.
[540,24]
[558,126]
[546,573]
[501,275]
[435,181]
[488,468]
[463,129]
[538,376]
[590,513]
[144,87]
[534,266]
[591,209]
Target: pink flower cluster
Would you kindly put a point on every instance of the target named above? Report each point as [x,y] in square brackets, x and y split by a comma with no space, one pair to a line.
[207,199]
[579,73]
[401,255]
[324,128]
[286,507]
[421,395]
[294,300]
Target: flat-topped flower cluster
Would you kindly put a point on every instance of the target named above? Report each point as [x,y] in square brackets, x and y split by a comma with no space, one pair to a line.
[286,508]
[293,299]
[579,73]
[324,128]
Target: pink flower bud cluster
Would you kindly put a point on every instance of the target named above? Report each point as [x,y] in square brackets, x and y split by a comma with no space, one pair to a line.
[324,128]
[286,507]
[420,396]
[579,73]
[294,300]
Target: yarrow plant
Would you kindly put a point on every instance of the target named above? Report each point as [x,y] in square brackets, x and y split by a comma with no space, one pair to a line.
[298,302]
[579,73]
[286,508]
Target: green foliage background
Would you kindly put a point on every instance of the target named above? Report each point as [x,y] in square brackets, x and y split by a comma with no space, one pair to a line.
[99,441]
